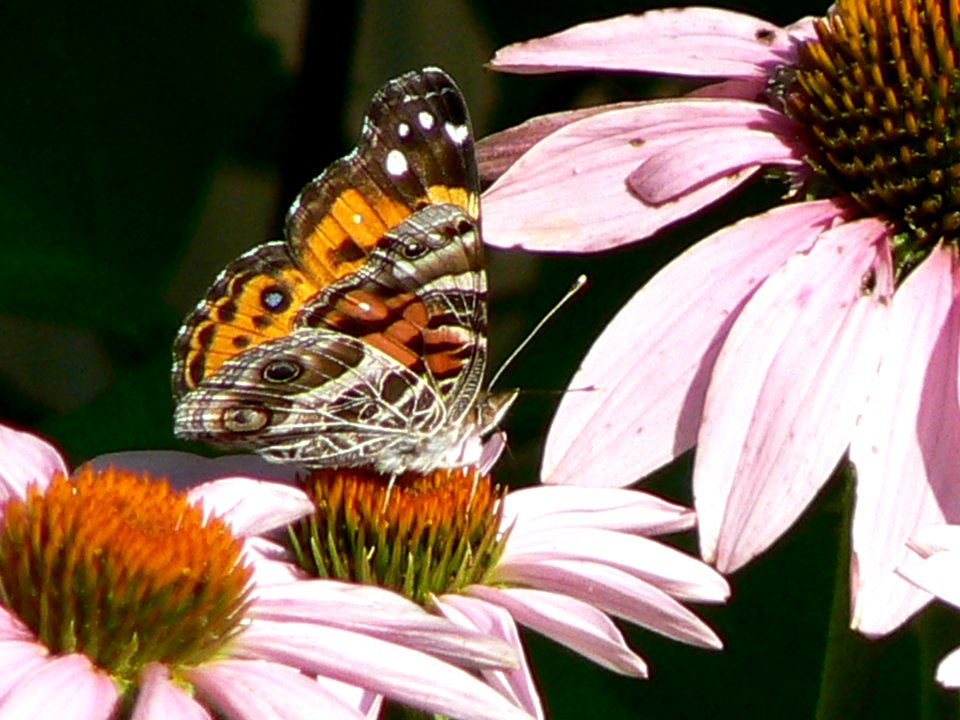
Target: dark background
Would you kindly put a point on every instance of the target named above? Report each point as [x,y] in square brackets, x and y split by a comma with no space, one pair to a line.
[144,145]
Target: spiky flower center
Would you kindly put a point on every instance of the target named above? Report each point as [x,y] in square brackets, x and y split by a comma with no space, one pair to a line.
[879,91]
[420,535]
[123,569]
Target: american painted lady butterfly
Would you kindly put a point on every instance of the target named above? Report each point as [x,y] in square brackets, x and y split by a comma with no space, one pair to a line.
[359,340]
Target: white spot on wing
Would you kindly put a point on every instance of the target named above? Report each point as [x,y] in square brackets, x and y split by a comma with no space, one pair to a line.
[457,133]
[426,120]
[403,130]
[396,163]
[357,218]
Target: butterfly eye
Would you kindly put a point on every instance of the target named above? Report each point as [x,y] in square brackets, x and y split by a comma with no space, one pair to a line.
[281,371]
[244,419]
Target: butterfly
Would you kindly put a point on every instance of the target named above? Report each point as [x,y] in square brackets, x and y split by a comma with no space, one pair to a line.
[360,339]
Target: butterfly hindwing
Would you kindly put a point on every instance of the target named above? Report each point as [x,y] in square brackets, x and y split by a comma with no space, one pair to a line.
[255,299]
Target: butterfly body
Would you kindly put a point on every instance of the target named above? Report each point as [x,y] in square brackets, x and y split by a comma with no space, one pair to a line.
[359,340]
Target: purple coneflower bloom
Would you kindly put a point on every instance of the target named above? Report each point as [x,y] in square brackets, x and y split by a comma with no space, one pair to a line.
[826,325]
[120,597]
[937,571]
[559,560]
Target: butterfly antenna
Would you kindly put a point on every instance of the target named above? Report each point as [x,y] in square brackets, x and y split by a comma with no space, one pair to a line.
[577,286]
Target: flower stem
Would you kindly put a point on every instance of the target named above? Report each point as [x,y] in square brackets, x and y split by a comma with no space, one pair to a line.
[845,675]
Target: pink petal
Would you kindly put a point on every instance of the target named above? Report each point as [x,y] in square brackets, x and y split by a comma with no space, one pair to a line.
[186,470]
[380,613]
[369,704]
[11,628]
[681,168]
[702,42]
[570,191]
[415,678]
[271,563]
[948,672]
[787,388]
[936,538]
[648,370]
[25,458]
[548,507]
[516,684]
[158,698]
[661,565]
[615,592]
[67,686]
[252,506]
[253,690]
[571,622]
[17,660]
[905,446]
[939,575]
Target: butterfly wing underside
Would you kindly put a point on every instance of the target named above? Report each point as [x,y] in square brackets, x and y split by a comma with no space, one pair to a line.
[361,339]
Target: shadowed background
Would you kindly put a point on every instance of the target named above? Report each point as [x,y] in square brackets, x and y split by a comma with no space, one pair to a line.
[145,145]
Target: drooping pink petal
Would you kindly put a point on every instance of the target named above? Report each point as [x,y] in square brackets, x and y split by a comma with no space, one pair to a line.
[948,672]
[65,687]
[905,446]
[648,371]
[498,151]
[613,591]
[18,659]
[517,683]
[252,506]
[381,613]
[700,42]
[787,388]
[744,88]
[659,564]
[186,470]
[159,699]
[570,192]
[254,689]
[412,677]
[24,459]
[555,507]
[570,622]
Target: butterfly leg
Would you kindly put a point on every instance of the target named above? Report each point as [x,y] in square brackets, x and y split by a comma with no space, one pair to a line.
[386,497]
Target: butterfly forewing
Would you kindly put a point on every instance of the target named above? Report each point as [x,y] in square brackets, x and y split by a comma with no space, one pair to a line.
[416,148]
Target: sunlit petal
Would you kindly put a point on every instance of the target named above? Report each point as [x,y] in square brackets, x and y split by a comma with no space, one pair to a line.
[787,388]
[905,445]
[643,382]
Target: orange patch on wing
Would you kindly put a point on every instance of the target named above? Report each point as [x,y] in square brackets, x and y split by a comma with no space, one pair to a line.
[444,364]
[466,199]
[353,220]
[255,308]
[394,349]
